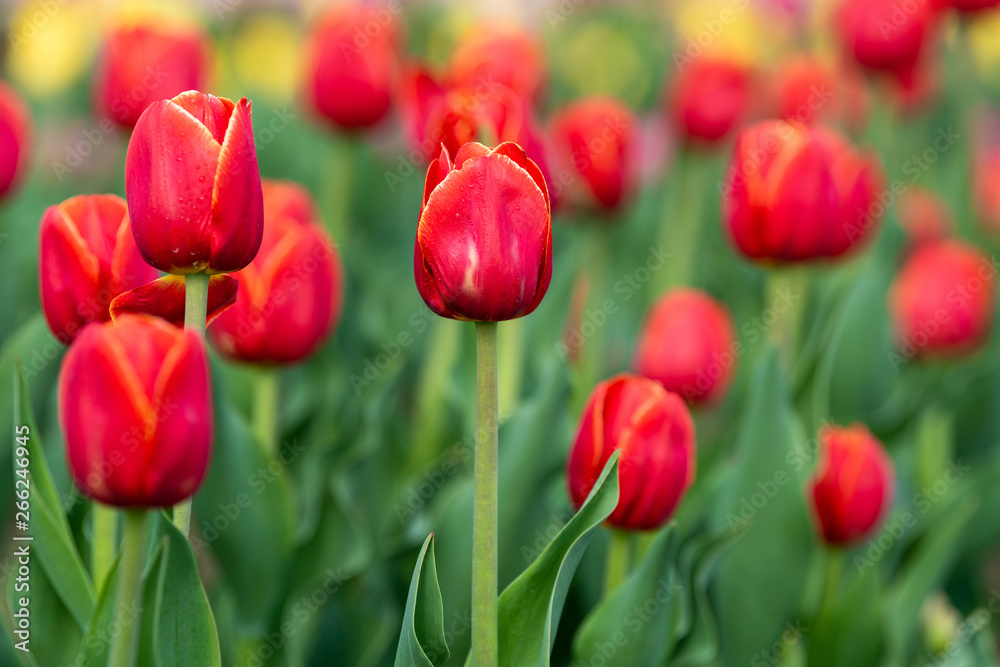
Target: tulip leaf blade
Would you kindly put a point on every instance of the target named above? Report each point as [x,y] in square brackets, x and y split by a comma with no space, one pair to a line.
[422,641]
[184,632]
[530,607]
[99,633]
[642,639]
[52,541]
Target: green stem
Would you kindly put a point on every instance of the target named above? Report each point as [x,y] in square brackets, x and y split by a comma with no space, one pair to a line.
[195,311]
[619,558]
[680,223]
[485,649]
[129,576]
[338,185]
[102,542]
[265,410]
[784,294]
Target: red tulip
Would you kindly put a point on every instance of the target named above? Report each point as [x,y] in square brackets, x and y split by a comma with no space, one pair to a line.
[808,91]
[924,216]
[797,193]
[506,56]
[193,186]
[135,409]
[688,344]
[353,64]
[87,257]
[654,433]
[942,300]
[887,35]
[15,137]
[484,240]
[594,142]
[854,484]
[291,294]
[709,98]
[147,62]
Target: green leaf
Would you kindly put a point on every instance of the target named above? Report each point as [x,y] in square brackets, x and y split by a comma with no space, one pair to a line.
[184,634]
[761,583]
[530,608]
[422,641]
[104,626]
[53,543]
[633,625]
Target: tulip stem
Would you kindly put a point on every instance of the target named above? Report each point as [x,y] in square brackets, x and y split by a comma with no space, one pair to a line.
[129,576]
[102,543]
[784,294]
[681,222]
[265,410]
[619,557]
[485,648]
[195,312]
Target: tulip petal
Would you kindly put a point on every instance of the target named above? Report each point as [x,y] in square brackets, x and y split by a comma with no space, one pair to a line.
[69,275]
[438,169]
[182,400]
[211,111]
[165,298]
[169,169]
[469,151]
[237,200]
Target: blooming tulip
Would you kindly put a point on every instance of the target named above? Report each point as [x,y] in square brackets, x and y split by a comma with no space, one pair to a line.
[688,345]
[942,299]
[135,409]
[882,36]
[290,296]
[352,65]
[797,193]
[853,487]
[87,258]
[505,56]
[484,239]
[593,141]
[193,186]
[654,432]
[147,62]
[709,98]
[15,137]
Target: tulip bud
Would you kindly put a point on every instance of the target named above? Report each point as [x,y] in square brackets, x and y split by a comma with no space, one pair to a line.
[687,345]
[87,257]
[593,140]
[797,193]
[143,63]
[942,299]
[654,433]
[484,240]
[505,56]
[709,98]
[135,409]
[193,186]
[15,137]
[352,65]
[290,296]
[854,484]
[883,35]
[924,216]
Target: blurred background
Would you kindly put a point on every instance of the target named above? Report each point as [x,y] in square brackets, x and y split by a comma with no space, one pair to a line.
[376,427]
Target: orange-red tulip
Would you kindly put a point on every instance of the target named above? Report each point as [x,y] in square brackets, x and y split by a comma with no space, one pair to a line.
[688,344]
[193,186]
[352,64]
[499,55]
[136,412]
[853,487]
[15,138]
[87,257]
[942,300]
[796,193]
[654,433]
[484,240]
[291,294]
[594,149]
[142,63]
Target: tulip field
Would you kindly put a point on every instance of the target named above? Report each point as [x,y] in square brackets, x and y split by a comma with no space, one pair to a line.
[503,334]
